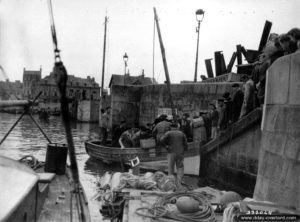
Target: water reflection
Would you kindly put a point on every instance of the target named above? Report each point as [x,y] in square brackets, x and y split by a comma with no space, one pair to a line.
[26,139]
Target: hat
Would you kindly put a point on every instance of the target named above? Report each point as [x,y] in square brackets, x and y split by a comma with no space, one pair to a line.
[220,100]
[186,114]
[235,85]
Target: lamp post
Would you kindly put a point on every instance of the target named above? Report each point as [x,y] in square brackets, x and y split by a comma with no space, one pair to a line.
[125,58]
[199,18]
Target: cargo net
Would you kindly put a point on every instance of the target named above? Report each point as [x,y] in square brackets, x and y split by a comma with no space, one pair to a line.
[149,181]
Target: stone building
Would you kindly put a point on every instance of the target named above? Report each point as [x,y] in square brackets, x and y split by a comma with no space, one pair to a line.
[11,90]
[125,80]
[77,88]
[31,80]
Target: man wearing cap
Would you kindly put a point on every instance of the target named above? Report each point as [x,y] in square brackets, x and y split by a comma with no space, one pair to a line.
[176,144]
[221,110]
[214,115]
[159,130]
[249,97]
[237,102]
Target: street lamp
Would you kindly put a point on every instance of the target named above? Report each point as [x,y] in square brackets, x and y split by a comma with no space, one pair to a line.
[125,58]
[199,18]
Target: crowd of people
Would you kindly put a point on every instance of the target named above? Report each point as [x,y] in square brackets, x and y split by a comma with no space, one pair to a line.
[202,127]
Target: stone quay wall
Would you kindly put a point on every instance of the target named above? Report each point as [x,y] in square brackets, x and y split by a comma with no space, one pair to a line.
[140,104]
[278,178]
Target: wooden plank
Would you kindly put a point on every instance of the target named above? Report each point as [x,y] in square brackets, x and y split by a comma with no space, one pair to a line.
[209,69]
[265,35]
[232,60]
[133,205]
[45,177]
[191,165]
[57,205]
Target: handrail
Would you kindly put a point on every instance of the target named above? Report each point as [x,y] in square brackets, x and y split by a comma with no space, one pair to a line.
[233,131]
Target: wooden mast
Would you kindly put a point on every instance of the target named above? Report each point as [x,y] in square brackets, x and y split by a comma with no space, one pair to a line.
[165,65]
[103,60]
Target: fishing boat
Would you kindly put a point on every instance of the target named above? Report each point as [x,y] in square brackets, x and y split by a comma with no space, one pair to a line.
[147,156]
[109,154]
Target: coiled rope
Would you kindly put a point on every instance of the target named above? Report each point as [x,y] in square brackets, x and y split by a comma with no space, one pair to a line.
[31,161]
[162,208]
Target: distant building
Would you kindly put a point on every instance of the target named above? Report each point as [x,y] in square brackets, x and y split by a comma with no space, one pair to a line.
[31,81]
[11,90]
[131,80]
[77,88]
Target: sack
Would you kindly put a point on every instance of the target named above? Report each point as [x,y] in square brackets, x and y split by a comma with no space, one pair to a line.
[147,143]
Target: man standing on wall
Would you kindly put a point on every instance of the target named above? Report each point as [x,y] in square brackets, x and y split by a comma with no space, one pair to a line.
[237,102]
[176,144]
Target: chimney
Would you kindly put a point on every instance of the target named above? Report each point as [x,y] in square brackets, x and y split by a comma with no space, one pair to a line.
[143,73]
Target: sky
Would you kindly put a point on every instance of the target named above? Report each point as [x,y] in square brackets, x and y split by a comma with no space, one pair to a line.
[25,39]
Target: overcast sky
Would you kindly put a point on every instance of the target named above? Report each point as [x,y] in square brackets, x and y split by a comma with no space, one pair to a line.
[25,39]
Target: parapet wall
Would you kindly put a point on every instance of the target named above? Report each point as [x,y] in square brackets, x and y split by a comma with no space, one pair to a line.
[140,103]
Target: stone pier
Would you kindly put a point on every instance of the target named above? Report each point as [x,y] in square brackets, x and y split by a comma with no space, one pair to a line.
[278,178]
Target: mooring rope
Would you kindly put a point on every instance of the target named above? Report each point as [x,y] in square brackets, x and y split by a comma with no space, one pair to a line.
[31,161]
[160,208]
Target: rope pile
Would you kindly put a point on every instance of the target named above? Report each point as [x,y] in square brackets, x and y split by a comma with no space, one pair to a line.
[132,181]
[162,208]
[31,161]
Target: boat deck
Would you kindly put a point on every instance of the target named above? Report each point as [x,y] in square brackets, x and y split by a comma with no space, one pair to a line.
[60,199]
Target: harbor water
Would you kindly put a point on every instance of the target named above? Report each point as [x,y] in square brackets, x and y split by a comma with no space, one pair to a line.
[26,139]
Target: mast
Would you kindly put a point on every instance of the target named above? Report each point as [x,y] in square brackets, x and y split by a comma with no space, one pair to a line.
[103,61]
[165,65]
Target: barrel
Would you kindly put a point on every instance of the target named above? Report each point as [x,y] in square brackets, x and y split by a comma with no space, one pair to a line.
[56,157]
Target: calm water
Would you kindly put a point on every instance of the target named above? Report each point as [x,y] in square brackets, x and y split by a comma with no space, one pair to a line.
[26,139]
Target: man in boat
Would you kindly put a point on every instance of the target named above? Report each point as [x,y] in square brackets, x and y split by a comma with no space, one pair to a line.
[176,144]
[117,132]
[159,130]
[128,139]
[104,124]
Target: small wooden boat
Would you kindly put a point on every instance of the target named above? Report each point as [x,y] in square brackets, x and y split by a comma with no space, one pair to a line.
[108,154]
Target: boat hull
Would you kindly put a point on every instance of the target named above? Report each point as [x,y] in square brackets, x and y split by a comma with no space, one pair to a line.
[109,154]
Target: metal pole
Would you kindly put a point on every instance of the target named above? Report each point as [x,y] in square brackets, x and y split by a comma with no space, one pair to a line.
[165,65]
[40,128]
[196,63]
[103,61]
[6,135]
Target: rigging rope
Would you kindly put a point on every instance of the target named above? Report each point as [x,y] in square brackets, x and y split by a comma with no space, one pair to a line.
[162,208]
[62,78]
